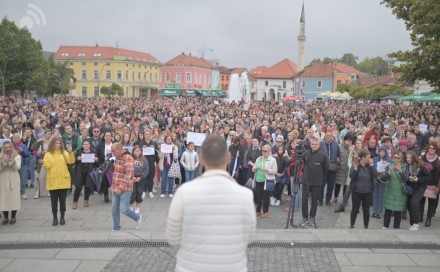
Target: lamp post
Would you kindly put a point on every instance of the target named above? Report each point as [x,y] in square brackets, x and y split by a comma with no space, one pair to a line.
[99,77]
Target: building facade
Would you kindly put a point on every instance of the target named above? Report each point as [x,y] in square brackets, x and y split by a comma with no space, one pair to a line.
[94,67]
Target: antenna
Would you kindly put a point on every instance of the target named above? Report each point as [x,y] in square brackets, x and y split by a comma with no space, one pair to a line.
[202,51]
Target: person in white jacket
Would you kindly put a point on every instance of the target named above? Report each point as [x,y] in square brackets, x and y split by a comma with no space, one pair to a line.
[212,218]
[190,162]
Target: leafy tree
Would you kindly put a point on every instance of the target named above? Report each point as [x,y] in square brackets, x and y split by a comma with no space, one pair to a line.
[21,59]
[59,77]
[329,60]
[315,61]
[421,19]
[375,66]
[344,88]
[114,89]
[349,59]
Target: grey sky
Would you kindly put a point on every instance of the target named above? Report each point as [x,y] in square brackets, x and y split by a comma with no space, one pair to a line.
[243,33]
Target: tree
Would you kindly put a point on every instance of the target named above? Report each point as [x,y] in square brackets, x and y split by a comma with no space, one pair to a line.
[344,88]
[22,63]
[421,19]
[59,77]
[349,59]
[114,89]
[375,66]
[315,61]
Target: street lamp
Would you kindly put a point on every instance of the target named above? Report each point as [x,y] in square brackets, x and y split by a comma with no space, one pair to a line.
[99,76]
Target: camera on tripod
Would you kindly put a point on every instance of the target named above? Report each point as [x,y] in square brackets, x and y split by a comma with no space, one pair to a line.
[300,151]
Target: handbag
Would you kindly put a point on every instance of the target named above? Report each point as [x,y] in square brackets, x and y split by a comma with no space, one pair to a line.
[430,192]
[407,189]
[269,185]
[250,183]
[174,171]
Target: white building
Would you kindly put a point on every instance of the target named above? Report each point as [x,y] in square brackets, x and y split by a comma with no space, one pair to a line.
[422,86]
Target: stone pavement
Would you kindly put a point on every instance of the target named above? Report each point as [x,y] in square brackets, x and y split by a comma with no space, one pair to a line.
[95,224]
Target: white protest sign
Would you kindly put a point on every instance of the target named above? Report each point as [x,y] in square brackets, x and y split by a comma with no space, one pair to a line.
[164,148]
[196,138]
[423,128]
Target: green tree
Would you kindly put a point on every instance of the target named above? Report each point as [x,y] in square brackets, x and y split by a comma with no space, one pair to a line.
[114,89]
[315,61]
[421,20]
[349,59]
[22,64]
[344,88]
[59,77]
[374,66]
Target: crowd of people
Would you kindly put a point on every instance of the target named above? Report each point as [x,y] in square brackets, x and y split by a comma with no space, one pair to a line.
[384,157]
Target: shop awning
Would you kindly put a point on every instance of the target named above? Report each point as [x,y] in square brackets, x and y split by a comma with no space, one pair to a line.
[170,92]
[190,93]
[213,93]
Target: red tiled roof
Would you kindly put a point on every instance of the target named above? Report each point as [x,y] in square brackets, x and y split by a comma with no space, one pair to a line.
[344,68]
[321,70]
[258,70]
[223,70]
[385,80]
[251,77]
[283,69]
[102,52]
[188,60]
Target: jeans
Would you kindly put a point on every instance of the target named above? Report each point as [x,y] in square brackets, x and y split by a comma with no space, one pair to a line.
[117,200]
[136,195]
[330,180]
[166,181]
[31,161]
[190,175]
[79,186]
[23,178]
[378,194]
[149,181]
[366,199]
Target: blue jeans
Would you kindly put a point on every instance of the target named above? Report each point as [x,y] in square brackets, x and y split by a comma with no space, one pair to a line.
[190,175]
[378,194]
[31,161]
[23,178]
[117,200]
[330,180]
[166,181]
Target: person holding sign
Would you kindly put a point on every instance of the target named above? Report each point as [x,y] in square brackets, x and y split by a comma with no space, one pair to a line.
[85,162]
[380,162]
[149,150]
[140,173]
[167,155]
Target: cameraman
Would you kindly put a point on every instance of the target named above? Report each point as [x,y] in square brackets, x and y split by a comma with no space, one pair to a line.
[316,165]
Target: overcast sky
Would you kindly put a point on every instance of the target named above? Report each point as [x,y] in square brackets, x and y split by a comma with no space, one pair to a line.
[242,33]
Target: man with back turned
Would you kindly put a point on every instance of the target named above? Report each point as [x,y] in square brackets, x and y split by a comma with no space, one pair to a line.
[212,218]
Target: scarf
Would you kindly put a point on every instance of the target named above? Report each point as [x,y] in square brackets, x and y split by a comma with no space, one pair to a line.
[431,157]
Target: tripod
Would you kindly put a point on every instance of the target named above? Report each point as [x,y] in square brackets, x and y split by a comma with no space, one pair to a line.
[294,186]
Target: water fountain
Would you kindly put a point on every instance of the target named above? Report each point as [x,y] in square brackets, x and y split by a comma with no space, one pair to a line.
[239,88]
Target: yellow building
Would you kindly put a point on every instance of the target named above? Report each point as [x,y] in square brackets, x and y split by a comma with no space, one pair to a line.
[137,73]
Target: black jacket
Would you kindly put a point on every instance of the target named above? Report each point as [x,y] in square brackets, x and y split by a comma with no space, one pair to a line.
[315,167]
[362,179]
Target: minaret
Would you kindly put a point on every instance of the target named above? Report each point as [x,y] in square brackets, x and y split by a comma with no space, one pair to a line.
[301,40]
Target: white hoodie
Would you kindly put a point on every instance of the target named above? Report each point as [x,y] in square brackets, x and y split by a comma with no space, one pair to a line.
[189,160]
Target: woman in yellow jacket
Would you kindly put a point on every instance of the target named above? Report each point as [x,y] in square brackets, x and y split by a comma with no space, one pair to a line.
[58,177]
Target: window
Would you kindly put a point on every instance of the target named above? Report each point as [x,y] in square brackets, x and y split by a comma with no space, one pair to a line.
[96,74]
[133,75]
[139,75]
[284,84]
[96,91]
[83,64]
[108,74]
[204,79]
[108,63]
[227,77]
[200,79]
[304,83]
[195,79]
[266,83]
[167,77]
[338,83]
[119,75]
[223,77]
[126,75]
[319,84]
[188,77]
[83,74]
[95,63]
[84,91]
[151,76]
[145,76]
[155,76]
[178,77]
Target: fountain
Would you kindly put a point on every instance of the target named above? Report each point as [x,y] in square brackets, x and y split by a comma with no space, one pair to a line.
[239,88]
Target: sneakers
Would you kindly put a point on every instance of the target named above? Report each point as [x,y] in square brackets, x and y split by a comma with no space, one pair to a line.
[24,197]
[170,195]
[373,215]
[137,210]
[305,222]
[162,195]
[139,222]
[36,196]
[414,227]
[311,221]
[151,195]
[144,195]
[335,200]
[384,228]
[277,203]
[131,208]
[154,191]
[328,203]
[272,201]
